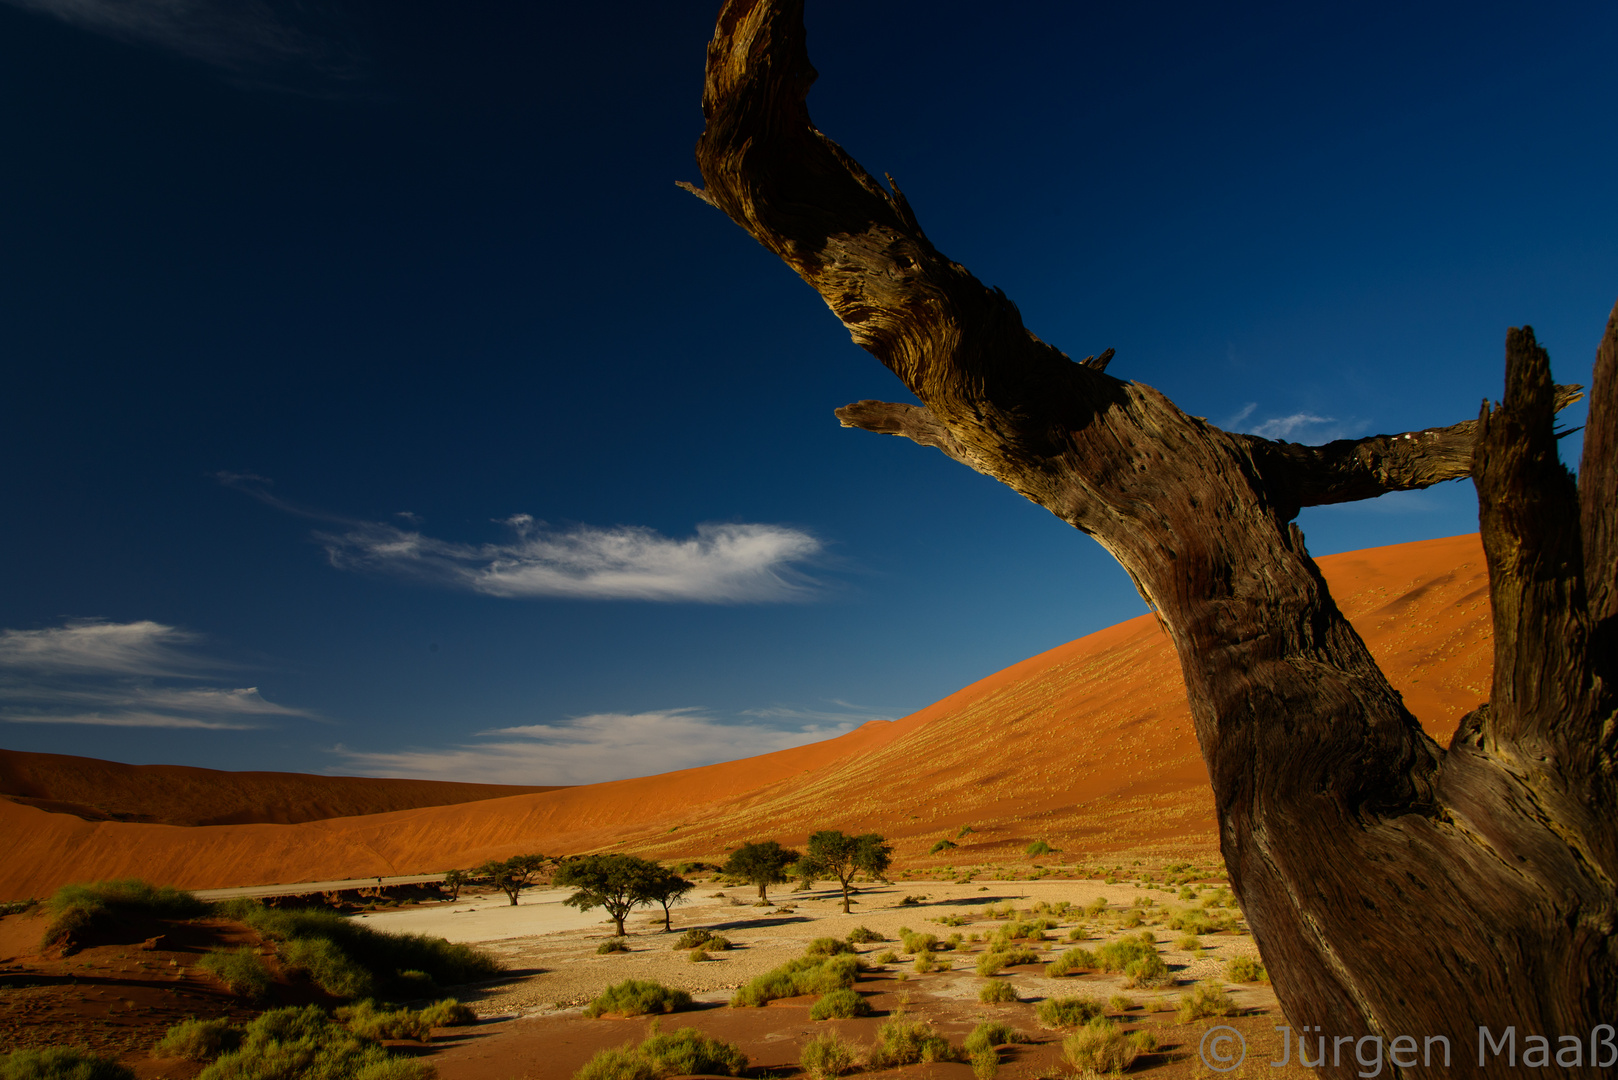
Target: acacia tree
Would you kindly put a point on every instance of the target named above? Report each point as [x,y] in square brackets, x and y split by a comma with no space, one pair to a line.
[763,864]
[667,888]
[511,876]
[1395,887]
[618,883]
[841,856]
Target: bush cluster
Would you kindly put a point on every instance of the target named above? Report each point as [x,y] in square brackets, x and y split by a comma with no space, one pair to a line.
[1208,999]
[1245,969]
[77,909]
[1101,1046]
[242,970]
[637,997]
[307,1044]
[996,992]
[903,1041]
[828,1056]
[1065,1012]
[805,975]
[843,1003]
[684,1052]
[61,1063]
[862,935]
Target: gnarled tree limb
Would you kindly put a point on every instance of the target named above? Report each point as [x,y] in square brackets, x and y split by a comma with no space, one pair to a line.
[1343,826]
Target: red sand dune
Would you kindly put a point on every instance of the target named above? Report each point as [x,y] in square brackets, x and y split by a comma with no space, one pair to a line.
[1088,746]
[99,790]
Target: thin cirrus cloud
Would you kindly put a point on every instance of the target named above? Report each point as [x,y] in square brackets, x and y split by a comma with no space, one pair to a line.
[134,675]
[250,40]
[592,749]
[720,564]
[1297,427]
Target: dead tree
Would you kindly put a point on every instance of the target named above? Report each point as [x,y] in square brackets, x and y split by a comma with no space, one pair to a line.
[1395,887]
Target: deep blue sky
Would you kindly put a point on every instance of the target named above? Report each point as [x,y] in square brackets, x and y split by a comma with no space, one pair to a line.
[275,277]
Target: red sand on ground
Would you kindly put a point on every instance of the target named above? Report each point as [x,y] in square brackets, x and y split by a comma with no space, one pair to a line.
[1088,746]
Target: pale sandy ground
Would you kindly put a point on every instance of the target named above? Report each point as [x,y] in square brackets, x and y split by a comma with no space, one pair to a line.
[550,949]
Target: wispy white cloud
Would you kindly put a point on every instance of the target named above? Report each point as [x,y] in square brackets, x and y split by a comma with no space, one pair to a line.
[720,564]
[1302,427]
[591,749]
[250,39]
[121,675]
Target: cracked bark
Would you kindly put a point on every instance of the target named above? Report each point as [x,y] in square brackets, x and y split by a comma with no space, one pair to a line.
[1395,887]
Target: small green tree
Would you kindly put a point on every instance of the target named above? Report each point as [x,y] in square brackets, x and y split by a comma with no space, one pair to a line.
[762,864]
[454,880]
[840,856]
[511,876]
[618,883]
[667,888]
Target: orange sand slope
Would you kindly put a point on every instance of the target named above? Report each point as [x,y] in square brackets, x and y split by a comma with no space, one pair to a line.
[179,795]
[1088,746]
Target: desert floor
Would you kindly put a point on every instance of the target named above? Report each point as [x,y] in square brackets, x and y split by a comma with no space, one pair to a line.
[534,1028]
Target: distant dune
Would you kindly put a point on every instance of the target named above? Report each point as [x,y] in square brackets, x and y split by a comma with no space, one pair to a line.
[1088,746]
[179,795]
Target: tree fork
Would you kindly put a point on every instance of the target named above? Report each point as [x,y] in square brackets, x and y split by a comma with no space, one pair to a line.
[1395,887]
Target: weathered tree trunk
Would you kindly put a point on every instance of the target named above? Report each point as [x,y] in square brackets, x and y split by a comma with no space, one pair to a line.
[1395,888]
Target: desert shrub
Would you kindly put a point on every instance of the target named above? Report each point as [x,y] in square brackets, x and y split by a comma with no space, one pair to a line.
[1101,1046]
[76,909]
[1246,969]
[698,956]
[693,938]
[1147,971]
[617,1063]
[1031,929]
[1131,919]
[1011,957]
[678,1053]
[985,1063]
[1096,906]
[827,1056]
[942,845]
[448,1013]
[925,963]
[612,945]
[805,975]
[827,946]
[950,943]
[902,1041]
[1189,942]
[912,901]
[1208,999]
[863,935]
[305,1044]
[688,1051]
[60,1063]
[991,963]
[1069,962]
[1118,955]
[241,969]
[1192,921]
[1219,898]
[17,907]
[917,943]
[952,920]
[637,997]
[720,943]
[348,959]
[1038,847]
[1188,893]
[198,1040]
[840,1004]
[991,1033]
[1064,1012]
[1076,933]
[996,992]
[1122,1003]
[371,1020]
[886,956]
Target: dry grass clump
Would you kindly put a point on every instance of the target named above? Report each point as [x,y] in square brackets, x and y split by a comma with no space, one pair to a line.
[1070,961]
[840,1004]
[243,970]
[1101,1046]
[996,992]
[637,997]
[1066,1012]
[827,1056]
[198,1040]
[680,1053]
[1208,999]
[903,1041]
[1246,969]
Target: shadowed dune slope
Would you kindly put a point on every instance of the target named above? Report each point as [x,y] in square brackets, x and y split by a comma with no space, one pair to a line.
[99,790]
[1088,746]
